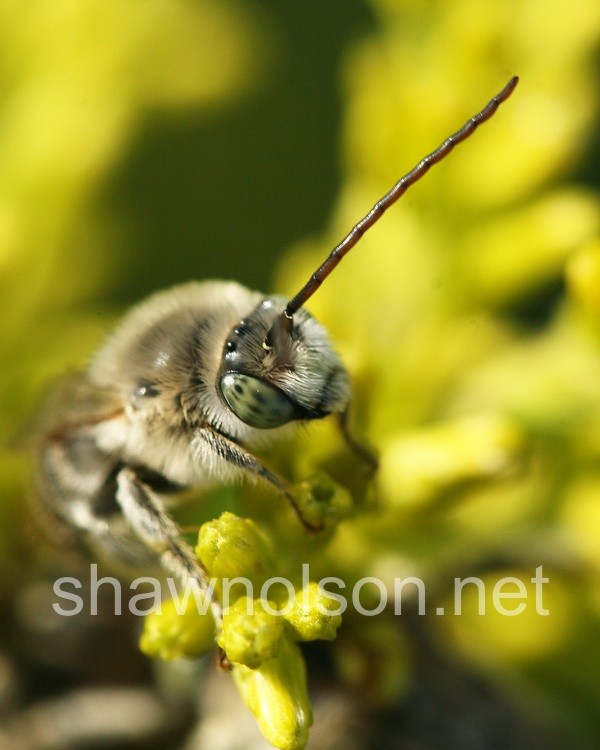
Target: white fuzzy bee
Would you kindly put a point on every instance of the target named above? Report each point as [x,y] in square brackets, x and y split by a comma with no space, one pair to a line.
[191,379]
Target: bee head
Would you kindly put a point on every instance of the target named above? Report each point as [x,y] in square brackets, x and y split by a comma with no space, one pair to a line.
[278,364]
[277,368]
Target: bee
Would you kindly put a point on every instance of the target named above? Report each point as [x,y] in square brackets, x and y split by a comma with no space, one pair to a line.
[191,381]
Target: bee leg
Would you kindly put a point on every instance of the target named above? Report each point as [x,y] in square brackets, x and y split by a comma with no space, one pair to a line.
[228,450]
[359,449]
[148,519]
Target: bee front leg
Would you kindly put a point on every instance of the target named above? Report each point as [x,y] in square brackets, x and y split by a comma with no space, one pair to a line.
[228,450]
[146,516]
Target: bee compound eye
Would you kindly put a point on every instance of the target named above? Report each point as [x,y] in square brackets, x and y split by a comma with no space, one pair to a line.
[256,403]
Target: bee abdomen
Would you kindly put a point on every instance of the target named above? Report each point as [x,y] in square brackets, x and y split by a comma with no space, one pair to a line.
[72,473]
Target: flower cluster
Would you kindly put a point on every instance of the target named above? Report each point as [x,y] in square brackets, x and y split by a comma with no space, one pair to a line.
[259,635]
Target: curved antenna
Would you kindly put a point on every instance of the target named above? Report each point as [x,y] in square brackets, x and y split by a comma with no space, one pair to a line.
[390,198]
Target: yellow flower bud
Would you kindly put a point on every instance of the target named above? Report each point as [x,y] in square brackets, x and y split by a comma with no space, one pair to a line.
[178,629]
[250,635]
[231,546]
[322,502]
[311,615]
[277,695]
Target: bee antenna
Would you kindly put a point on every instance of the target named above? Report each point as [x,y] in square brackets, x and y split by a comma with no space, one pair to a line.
[415,174]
